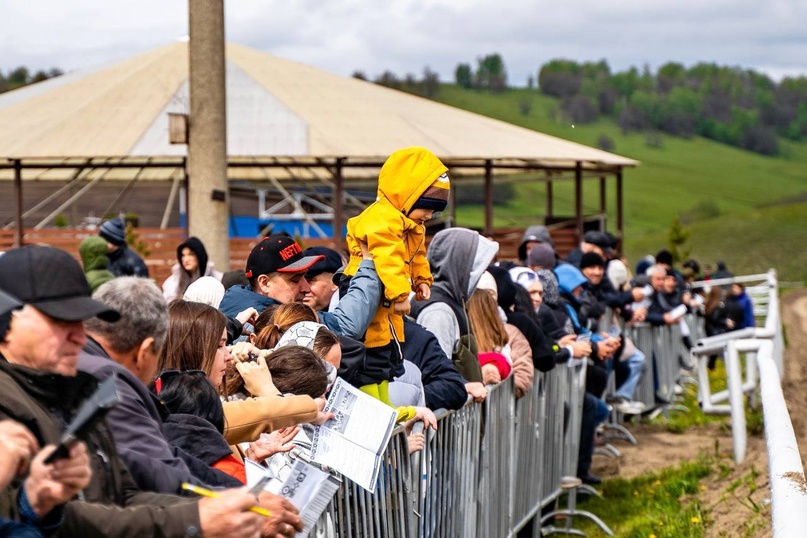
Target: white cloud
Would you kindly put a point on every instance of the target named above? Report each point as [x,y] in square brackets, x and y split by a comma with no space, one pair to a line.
[406,35]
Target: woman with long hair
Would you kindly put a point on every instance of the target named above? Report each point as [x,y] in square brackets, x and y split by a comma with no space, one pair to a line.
[196,341]
[491,337]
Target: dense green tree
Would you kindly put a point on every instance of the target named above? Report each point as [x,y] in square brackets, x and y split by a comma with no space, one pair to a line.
[463,76]
[19,76]
[491,73]
[560,78]
[390,80]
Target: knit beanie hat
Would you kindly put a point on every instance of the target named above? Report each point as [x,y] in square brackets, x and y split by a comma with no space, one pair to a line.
[114,231]
[618,273]
[207,290]
[591,259]
[435,196]
[664,257]
[541,255]
[487,282]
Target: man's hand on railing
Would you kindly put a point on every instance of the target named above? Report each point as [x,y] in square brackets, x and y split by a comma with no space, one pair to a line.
[581,349]
[639,315]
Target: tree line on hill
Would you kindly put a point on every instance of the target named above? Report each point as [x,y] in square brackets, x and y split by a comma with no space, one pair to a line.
[22,76]
[735,106]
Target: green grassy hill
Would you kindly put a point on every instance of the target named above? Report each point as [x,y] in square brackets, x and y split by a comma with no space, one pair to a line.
[745,208]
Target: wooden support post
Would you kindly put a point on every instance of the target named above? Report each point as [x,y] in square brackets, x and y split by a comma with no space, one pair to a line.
[18,219]
[488,197]
[619,208]
[603,201]
[578,199]
[338,198]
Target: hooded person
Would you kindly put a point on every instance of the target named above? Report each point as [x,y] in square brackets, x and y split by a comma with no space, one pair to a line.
[412,185]
[123,261]
[192,263]
[93,257]
[459,257]
[533,235]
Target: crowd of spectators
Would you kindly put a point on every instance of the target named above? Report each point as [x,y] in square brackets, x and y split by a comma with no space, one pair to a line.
[212,373]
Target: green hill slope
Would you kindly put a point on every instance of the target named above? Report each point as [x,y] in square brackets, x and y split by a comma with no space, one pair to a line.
[715,188]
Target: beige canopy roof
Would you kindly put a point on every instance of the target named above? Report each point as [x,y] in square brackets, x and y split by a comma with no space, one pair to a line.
[278,111]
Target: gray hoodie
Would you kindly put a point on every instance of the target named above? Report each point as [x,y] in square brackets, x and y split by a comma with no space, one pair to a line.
[533,233]
[457,257]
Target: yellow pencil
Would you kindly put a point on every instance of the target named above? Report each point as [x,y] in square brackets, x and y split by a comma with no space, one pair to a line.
[204,492]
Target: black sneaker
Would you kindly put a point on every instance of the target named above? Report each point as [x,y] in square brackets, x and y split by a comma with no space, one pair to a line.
[590,479]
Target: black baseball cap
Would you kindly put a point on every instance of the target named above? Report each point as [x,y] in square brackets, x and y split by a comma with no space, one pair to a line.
[51,281]
[8,303]
[330,263]
[600,239]
[278,253]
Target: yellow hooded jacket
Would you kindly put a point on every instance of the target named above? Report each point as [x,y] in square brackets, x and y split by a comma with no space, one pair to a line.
[396,242]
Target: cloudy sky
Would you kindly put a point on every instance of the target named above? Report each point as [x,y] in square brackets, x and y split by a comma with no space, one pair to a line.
[404,36]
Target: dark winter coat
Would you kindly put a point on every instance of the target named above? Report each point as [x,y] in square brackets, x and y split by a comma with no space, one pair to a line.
[113,504]
[125,262]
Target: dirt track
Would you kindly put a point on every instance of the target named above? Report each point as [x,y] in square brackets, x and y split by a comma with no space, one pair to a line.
[737,496]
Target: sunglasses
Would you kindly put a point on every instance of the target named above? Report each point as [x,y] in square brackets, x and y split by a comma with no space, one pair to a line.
[167,375]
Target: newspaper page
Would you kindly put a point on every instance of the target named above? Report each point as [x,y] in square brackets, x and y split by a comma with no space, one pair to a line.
[307,487]
[353,441]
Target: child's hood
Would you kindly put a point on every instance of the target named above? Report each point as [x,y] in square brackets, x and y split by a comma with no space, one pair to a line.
[407,174]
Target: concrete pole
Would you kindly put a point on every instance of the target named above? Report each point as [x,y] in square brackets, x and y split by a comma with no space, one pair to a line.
[208,193]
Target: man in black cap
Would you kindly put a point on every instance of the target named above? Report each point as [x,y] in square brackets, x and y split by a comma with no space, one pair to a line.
[276,270]
[41,387]
[123,261]
[320,277]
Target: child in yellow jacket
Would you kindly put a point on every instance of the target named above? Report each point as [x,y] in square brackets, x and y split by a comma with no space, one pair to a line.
[412,185]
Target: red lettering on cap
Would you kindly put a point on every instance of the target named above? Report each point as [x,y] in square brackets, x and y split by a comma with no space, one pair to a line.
[290,251]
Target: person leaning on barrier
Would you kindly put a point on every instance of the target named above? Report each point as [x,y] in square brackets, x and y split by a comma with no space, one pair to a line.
[660,311]
[20,455]
[129,349]
[520,351]
[443,386]
[40,385]
[459,257]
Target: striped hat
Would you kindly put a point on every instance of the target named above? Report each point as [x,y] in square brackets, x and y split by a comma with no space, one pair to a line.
[435,196]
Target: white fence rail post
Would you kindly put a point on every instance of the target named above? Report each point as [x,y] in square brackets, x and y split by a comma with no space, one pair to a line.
[786,472]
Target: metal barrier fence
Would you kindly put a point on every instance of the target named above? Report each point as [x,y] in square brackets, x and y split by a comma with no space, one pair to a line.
[516,452]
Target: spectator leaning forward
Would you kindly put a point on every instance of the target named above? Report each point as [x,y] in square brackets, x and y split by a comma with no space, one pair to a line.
[40,385]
